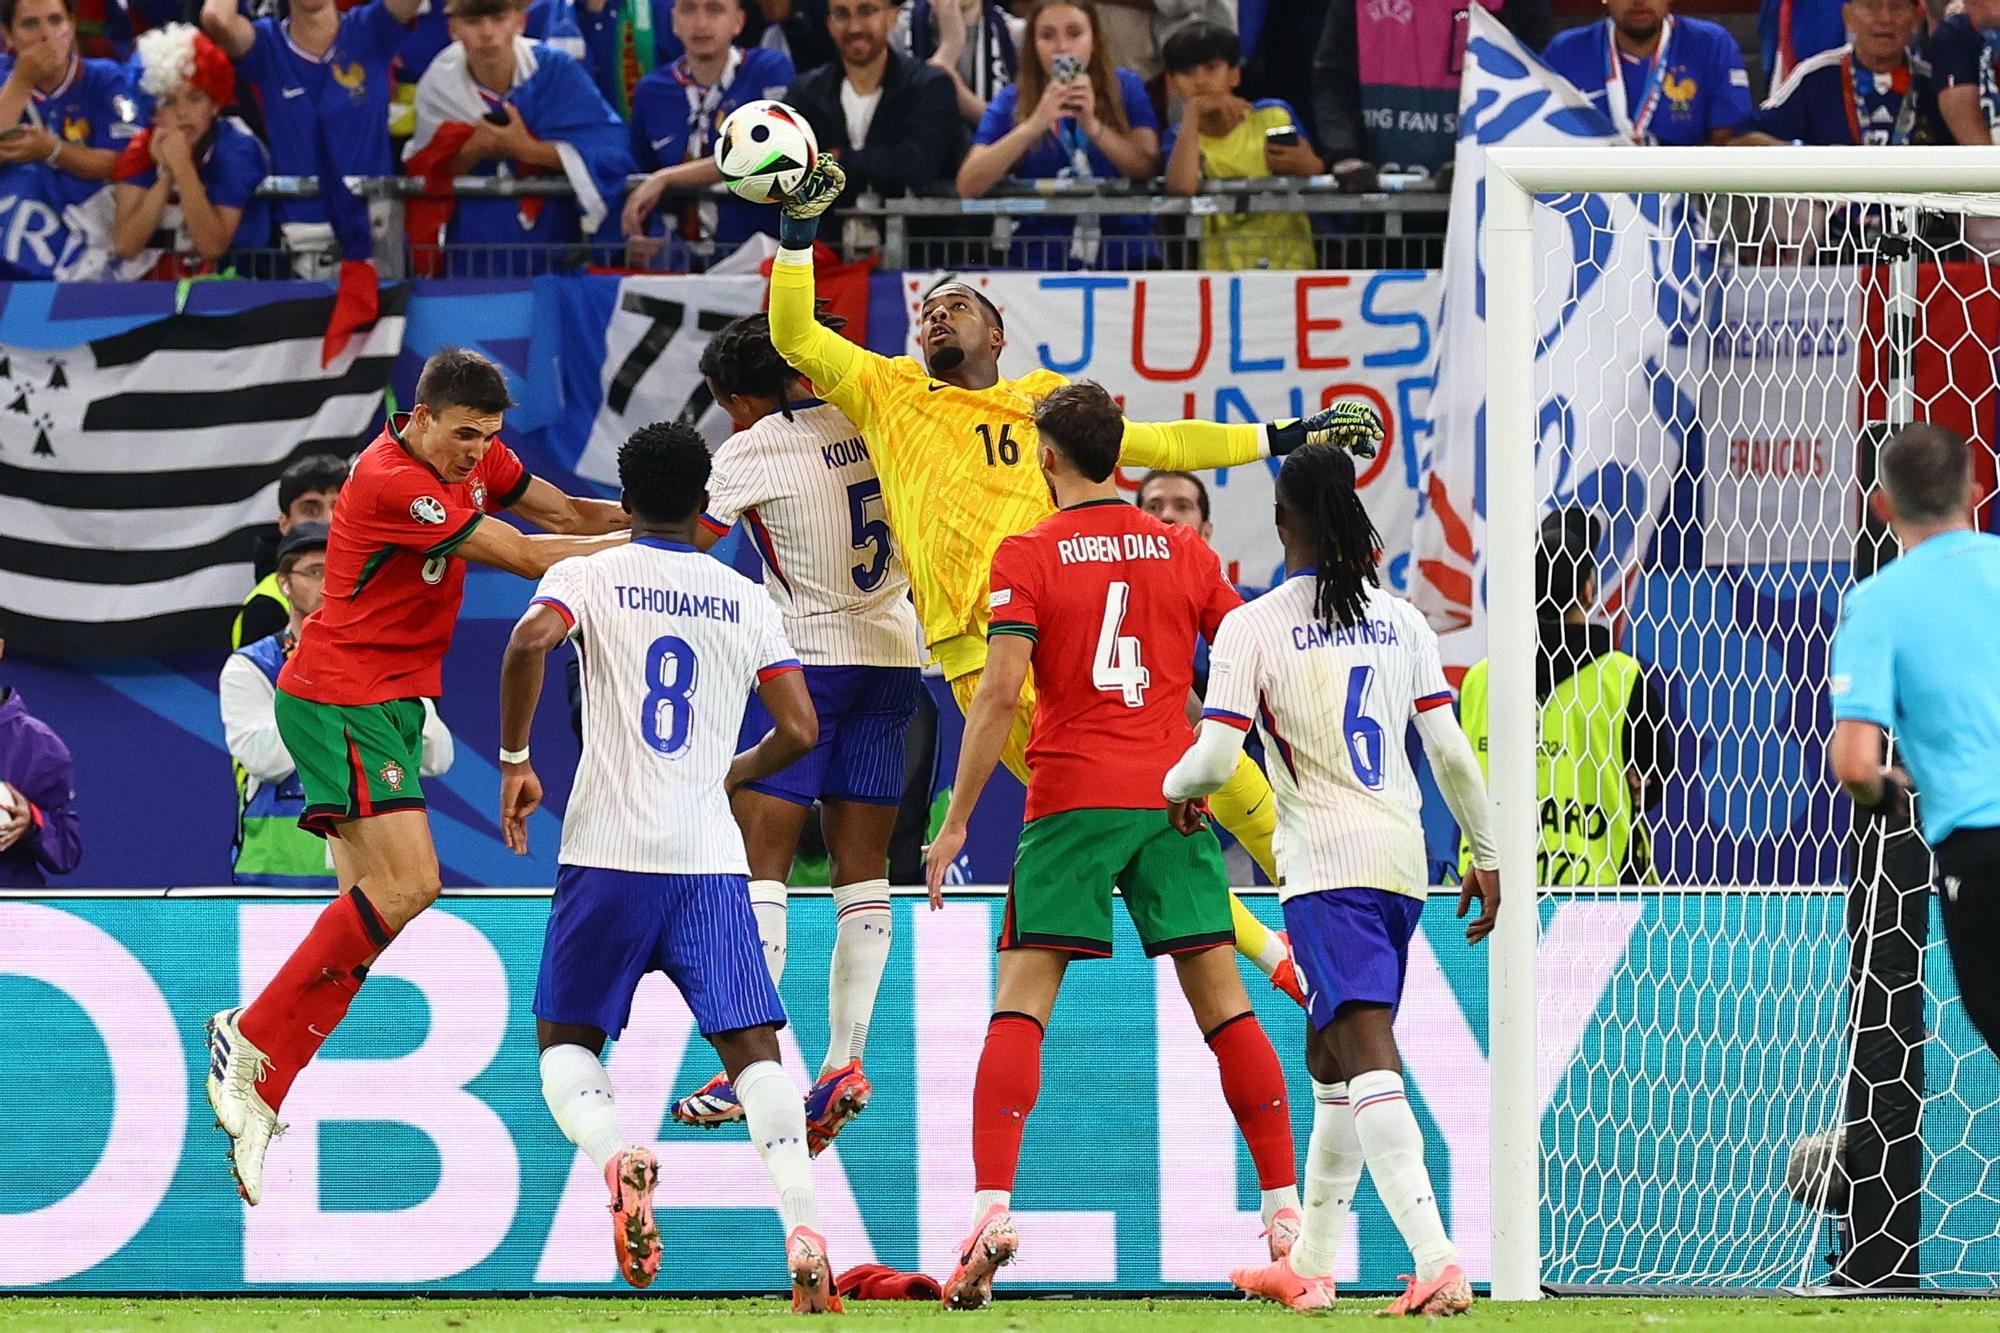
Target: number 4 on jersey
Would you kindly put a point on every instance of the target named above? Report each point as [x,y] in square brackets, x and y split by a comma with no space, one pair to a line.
[1116,669]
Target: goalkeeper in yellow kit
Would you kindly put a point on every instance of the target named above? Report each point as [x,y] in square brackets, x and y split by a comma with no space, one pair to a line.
[955,447]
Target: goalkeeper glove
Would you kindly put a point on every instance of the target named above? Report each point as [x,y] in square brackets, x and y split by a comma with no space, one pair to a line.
[798,215]
[1353,425]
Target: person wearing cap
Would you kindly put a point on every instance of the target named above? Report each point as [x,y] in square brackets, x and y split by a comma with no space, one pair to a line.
[307,491]
[187,184]
[1605,747]
[271,849]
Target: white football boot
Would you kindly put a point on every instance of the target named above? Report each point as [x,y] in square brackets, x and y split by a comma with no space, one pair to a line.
[235,1068]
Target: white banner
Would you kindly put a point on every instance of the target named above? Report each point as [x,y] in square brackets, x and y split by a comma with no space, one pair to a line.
[1238,347]
[1616,302]
[1779,414]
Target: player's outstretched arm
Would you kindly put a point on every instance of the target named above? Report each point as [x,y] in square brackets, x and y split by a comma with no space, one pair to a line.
[815,351]
[502,547]
[794,731]
[535,636]
[987,724]
[1456,769]
[1189,446]
[570,515]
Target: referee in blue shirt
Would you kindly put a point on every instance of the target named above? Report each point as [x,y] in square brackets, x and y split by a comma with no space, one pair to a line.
[1918,653]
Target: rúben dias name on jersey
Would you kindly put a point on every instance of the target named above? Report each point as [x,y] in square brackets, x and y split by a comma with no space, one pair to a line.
[673,602]
[1110,549]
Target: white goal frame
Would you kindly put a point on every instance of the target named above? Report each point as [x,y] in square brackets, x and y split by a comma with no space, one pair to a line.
[1514,176]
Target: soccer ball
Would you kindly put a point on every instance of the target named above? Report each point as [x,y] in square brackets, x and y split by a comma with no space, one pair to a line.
[764,149]
[1816,1170]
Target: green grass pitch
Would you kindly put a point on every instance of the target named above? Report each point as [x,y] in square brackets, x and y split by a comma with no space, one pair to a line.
[671,1315]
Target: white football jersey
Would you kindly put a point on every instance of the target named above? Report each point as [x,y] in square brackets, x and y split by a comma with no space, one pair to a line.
[1334,707]
[807,492]
[672,643]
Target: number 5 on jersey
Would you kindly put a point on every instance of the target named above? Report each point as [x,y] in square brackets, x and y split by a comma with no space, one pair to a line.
[1116,668]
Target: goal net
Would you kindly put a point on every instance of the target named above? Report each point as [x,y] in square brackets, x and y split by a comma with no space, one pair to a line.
[1775,1087]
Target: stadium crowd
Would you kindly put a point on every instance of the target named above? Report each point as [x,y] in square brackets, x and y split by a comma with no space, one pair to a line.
[184,106]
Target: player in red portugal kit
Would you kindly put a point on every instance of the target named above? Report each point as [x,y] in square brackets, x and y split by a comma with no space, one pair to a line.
[350,708]
[1104,602]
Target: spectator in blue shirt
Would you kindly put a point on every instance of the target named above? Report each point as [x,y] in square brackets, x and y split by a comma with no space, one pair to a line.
[551,21]
[1866,92]
[187,185]
[1069,116]
[62,113]
[323,80]
[1791,32]
[1661,79]
[608,25]
[1965,60]
[675,113]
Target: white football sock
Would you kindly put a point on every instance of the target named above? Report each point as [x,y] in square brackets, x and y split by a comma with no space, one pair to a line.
[860,952]
[776,1117]
[1333,1169]
[767,901]
[984,1199]
[1273,1202]
[578,1091]
[1393,1145]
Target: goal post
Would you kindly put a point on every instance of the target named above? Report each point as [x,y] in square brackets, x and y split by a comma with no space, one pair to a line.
[1797,916]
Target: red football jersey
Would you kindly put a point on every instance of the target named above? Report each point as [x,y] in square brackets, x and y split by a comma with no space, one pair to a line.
[1114,600]
[392,588]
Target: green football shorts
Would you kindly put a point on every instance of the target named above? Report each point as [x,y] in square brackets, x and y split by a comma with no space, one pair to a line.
[354,760]
[1175,887]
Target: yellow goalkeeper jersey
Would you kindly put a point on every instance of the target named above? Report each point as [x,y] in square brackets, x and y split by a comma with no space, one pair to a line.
[959,467]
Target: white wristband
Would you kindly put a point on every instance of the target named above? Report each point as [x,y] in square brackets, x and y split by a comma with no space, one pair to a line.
[519,756]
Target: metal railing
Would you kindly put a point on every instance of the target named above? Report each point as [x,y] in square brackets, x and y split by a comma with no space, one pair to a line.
[1033,225]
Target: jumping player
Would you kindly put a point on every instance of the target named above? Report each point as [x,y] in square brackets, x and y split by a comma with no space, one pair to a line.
[350,711]
[1334,669]
[797,473]
[955,446]
[652,872]
[1104,602]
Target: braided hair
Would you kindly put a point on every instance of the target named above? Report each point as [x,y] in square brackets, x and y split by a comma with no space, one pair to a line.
[1316,484]
[740,360]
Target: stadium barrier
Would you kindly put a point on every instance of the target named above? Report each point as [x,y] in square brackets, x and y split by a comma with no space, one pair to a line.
[1383,229]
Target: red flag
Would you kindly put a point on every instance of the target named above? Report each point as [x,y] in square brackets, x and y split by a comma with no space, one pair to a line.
[355,306]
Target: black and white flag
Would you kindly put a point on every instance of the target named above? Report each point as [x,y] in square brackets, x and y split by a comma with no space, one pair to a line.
[136,471]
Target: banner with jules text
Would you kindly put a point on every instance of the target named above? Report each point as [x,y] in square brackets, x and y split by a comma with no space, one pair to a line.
[1238,347]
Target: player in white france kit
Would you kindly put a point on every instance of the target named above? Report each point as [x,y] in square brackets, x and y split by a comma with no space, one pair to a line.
[1334,670]
[798,477]
[652,873]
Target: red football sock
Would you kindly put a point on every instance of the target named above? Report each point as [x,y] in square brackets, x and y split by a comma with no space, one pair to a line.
[305,1002]
[1003,1092]
[1253,1083]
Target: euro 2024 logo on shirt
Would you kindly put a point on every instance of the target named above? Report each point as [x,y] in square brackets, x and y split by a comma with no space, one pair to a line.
[427,509]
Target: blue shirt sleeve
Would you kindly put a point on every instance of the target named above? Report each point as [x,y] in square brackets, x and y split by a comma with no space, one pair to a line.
[1728,82]
[1789,120]
[377,32]
[659,111]
[232,174]
[106,104]
[1139,112]
[999,117]
[1578,55]
[766,72]
[1954,53]
[259,65]
[1864,661]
